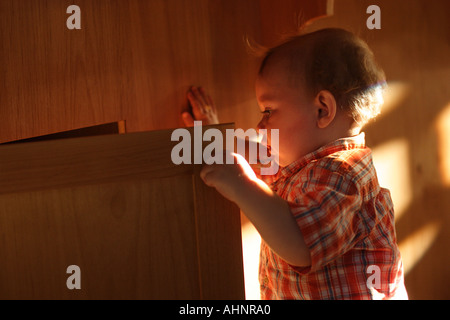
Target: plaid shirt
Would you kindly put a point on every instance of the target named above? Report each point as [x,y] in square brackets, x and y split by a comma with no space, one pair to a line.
[347,221]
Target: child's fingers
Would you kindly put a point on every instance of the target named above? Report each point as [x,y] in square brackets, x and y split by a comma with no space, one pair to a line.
[202,106]
[210,108]
[199,97]
[187,119]
[196,107]
[207,98]
[202,95]
[207,174]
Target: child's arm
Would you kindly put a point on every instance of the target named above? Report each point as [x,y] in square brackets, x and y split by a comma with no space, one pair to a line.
[269,213]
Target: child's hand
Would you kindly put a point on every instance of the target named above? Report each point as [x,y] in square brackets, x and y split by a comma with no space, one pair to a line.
[228,178]
[203,108]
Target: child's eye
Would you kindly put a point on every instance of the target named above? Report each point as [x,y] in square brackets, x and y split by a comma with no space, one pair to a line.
[267,112]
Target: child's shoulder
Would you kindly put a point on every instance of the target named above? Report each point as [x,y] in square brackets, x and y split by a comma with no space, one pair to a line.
[344,160]
[352,164]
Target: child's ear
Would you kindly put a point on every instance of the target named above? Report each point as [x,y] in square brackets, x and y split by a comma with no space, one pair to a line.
[326,108]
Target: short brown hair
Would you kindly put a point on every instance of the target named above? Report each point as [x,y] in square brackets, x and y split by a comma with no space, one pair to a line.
[338,61]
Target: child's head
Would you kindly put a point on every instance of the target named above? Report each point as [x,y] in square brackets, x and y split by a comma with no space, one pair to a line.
[319,87]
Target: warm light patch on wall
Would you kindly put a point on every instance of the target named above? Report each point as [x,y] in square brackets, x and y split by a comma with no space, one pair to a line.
[392,165]
[251,242]
[417,244]
[395,93]
[443,137]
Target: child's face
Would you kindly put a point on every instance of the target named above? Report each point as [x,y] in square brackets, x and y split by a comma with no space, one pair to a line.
[288,109]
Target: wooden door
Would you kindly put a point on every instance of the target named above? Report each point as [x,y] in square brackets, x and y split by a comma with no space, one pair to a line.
[136,225]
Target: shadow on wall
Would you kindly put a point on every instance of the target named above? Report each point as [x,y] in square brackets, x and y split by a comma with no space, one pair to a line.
[415,165]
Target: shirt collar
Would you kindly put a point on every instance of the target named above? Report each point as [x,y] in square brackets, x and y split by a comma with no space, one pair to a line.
[355,142]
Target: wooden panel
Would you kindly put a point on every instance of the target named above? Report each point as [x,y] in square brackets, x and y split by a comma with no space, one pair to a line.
[216,216]
[57,79]
[107,128]
[34,166]
[138,226]
[132,60]
[58,163]
[123,236]
[281,21]
[234,67]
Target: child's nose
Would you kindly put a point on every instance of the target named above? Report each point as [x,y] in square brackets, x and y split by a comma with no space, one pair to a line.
[261,124]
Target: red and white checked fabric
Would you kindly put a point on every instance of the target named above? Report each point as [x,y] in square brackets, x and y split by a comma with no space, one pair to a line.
[347,221]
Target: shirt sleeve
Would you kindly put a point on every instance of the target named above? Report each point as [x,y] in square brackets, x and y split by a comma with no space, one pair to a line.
[326,206]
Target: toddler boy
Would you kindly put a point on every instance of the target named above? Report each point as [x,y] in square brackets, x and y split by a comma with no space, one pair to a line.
[327,227]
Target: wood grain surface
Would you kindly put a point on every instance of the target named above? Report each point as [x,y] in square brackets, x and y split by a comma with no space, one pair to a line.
[138,226]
